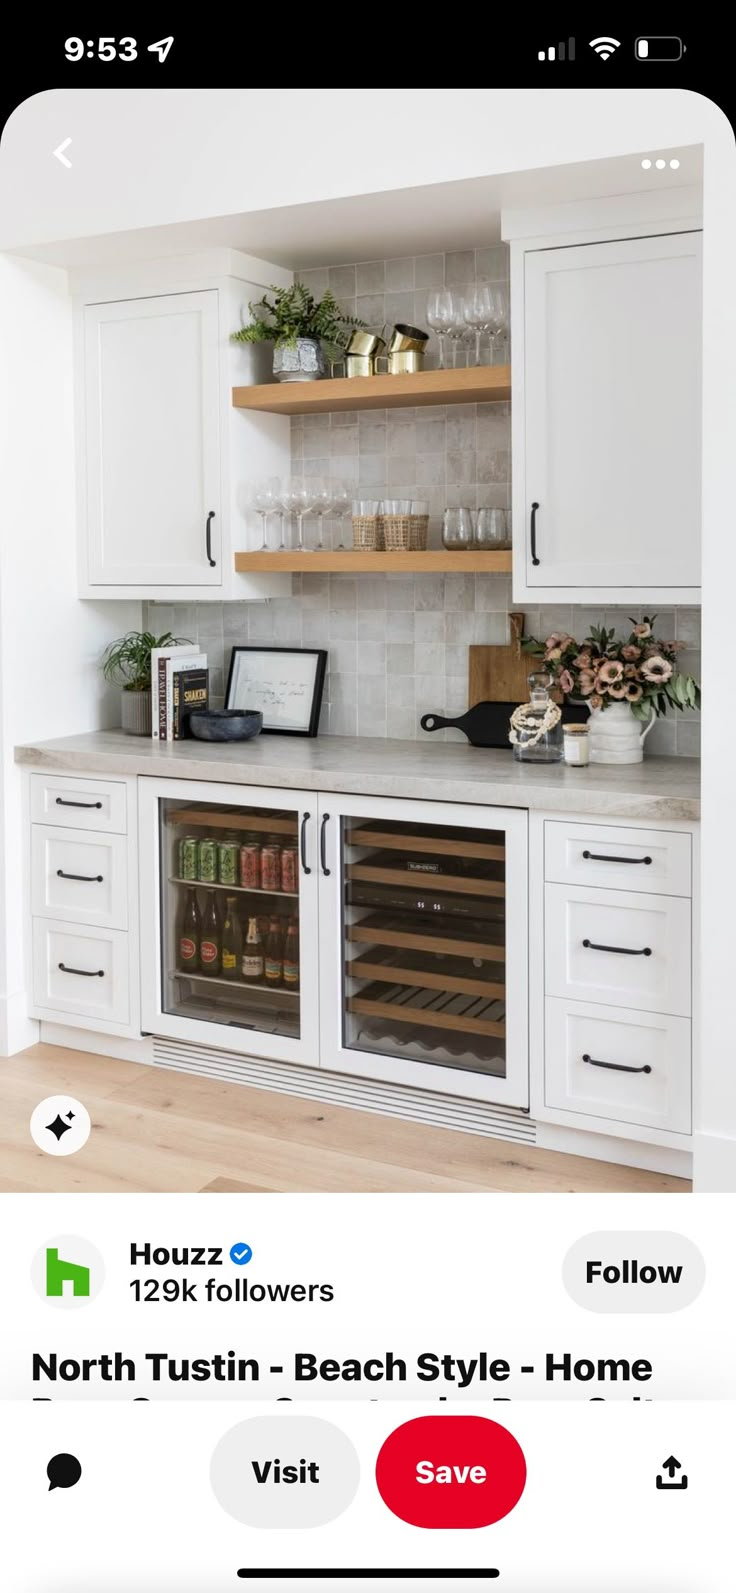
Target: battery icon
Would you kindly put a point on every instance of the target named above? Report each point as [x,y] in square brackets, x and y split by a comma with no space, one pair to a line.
[662,47]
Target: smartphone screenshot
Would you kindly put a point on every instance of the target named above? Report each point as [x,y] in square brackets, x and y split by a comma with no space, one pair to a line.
[366,779]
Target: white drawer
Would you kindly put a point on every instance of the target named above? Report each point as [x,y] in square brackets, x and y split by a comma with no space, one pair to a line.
[81,970]
[654,1093]
[79,877]
[78,804]
[657,861]
[618,948]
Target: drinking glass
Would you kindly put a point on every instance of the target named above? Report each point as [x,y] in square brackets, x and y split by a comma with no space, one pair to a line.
[457,529]
[324,498]
[342,505]
[304,499]
[439,317]
[265,500]
[285,506]
[458,327]
[499,325]
[479,312]
[491,529]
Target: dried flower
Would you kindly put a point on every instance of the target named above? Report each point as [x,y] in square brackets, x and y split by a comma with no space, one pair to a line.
[633,691]
[609,673]
[630,652]
[582,660]
[656,668]
[586,682]
[630,672]
[596,702]
[617,691]
[566,682]
[643,629]
[552,654]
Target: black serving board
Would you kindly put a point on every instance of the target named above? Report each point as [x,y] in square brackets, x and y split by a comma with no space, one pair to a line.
[487,724]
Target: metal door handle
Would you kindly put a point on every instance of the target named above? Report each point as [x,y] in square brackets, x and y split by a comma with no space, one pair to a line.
[89,879]
[84,973]
[61,802]
[323,844]
[533,534]
[208,539]
[615,1067]
[603,857]
[621,951]
[303,843]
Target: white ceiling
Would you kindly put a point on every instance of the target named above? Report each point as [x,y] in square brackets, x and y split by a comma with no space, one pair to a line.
[445,216]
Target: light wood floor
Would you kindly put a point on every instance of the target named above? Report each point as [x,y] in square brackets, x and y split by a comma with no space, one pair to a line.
[170,1132]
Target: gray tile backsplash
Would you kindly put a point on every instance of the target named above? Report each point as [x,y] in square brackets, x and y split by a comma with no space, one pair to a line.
[398,643]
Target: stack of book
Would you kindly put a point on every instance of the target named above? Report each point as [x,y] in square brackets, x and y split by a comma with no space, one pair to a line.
[179,684]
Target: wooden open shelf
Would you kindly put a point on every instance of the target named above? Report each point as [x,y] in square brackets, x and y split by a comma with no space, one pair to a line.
[352,561]
[370,1005]
[477,384]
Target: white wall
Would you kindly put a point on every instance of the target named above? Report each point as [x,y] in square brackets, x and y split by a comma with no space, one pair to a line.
[50,642]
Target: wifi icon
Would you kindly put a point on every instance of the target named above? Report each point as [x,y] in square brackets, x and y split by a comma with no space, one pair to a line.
[604,47]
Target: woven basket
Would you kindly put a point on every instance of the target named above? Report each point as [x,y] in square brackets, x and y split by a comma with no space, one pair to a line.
[397,532]
[366,531]
[418,528]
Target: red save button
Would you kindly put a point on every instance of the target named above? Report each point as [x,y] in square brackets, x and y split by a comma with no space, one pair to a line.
[451,1471]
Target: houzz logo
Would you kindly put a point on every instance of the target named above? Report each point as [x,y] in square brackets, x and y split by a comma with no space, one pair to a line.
[67,1271]
[59,1272]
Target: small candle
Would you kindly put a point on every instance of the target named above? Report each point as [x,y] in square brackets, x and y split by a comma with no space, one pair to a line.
[577,744]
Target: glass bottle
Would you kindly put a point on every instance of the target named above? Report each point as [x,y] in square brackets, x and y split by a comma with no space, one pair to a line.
[274,954]
[232,940]
[537,742]
[291,956]
[189,935]
[210,945]
[253,953]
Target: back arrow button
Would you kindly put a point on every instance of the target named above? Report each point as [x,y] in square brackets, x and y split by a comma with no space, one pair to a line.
[59,153]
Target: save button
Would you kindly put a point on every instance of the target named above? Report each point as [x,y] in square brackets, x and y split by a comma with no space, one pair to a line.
[451,1472]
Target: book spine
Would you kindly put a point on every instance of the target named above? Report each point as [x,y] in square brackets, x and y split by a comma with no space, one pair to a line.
[176,709]
[162,699]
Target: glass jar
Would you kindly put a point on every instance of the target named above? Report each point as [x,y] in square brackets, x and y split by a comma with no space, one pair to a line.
[577,744]
[536,730]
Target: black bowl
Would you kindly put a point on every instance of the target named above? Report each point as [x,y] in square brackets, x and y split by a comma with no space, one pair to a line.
[225,724]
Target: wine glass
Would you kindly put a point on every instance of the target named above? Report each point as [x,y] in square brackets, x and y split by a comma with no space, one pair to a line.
[342,506]
[324,498]
[479,312]
[457,529]
[500,317]
[285,506]
[458,326]
[491,529]
[439,317]
[304,499]
[265,499]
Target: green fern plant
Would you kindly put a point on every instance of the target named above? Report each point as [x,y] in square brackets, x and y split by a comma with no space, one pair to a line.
[294,312]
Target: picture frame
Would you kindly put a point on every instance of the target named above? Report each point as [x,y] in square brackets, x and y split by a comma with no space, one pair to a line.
[284,683]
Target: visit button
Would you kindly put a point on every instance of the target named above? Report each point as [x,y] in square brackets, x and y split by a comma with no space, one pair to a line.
[450,1471]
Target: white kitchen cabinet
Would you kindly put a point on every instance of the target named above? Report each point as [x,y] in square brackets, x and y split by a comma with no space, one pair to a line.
[165,465]
[607,417]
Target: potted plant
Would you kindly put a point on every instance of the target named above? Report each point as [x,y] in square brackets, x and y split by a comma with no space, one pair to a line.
[127,661]
[303,331]
[627,683]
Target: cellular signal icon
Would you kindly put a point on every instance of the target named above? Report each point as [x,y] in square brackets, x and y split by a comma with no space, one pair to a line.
[558,52]
[605,47]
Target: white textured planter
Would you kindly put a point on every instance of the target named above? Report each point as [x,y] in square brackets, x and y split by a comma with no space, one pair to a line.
[616,736]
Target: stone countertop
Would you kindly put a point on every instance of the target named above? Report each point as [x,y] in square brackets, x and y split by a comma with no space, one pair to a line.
[657,789]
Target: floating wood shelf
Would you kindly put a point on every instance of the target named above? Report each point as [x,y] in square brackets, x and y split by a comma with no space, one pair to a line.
[476,384]
[352,561]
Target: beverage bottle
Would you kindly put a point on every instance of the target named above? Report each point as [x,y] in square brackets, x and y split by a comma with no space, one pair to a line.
[291,956]
[189,935]
[274,958]
[253,953]
[232,940]
[210,944]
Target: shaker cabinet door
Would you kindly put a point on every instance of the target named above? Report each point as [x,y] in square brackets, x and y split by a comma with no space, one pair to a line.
[152,450]
[612,415]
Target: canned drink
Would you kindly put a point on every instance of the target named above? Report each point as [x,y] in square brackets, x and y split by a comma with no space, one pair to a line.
[250,865]
[227,862]
[271,866]
[207,861]
[289,870]
[188,857]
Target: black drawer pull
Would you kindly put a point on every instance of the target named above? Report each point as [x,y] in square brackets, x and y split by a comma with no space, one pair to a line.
[303,843]
[89,879]
[602,857]
[84,973]
[208,539]
[61,802]
[323,844]
[533,534]
[621,951]
[616,1067]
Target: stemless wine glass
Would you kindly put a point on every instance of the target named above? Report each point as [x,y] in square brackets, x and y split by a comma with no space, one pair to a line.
[304,499]
[265,500]
[491,529]
[457,529]
[457,329]
[324,498]
[342,504]
[479,313]
[439,317]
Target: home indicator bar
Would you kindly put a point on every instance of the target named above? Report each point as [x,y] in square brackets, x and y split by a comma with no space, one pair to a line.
[272,1573]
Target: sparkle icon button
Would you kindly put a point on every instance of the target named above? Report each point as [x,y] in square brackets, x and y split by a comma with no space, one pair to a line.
[60,1125]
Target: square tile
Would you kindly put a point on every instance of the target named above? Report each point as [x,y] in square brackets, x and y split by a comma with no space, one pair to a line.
[429,271]
[372,658]
[400,273]
[399,658]
[459,592]
[429,625]
[430,469]
[429,591]
[429,658]
[371,625]
[341,280]
[401,722]
[399,307]
[460,268]
[369,306]
[342,625]
[371,277]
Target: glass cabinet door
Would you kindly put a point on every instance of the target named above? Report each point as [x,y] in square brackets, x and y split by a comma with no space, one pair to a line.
[229,890]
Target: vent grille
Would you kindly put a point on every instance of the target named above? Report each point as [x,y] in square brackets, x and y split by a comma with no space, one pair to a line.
[338,1089]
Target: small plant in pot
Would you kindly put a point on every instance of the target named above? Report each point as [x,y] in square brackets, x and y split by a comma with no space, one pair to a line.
[304,331]
[127,662]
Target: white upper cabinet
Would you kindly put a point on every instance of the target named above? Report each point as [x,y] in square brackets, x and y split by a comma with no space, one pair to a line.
[607,420]
[164,463]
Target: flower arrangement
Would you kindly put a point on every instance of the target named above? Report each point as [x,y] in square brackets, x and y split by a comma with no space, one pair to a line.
[640,669]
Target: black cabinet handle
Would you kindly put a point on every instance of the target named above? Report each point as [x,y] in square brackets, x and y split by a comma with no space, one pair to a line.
[208,539]
[622,951]
[84,973]
[323,844]
[61,802]
[615,1067]
[303,843]
[533,533]
[89,879]
[603,857]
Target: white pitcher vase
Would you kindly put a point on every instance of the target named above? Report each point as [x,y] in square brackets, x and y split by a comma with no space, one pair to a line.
[616,736]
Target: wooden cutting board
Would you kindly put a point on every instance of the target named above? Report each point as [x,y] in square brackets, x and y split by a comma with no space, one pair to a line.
[500,674]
